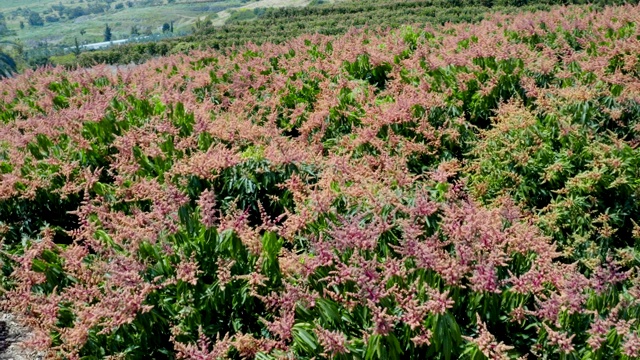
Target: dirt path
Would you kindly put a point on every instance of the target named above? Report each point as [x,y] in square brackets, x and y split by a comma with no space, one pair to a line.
[11,333]
[224,15]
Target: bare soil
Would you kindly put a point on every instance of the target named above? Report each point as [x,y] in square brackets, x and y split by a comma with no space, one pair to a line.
[11,334]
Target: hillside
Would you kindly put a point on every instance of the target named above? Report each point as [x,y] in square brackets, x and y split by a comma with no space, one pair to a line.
[442,191]
[63,21]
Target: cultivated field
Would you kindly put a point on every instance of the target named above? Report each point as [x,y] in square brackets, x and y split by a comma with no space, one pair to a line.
[437,192]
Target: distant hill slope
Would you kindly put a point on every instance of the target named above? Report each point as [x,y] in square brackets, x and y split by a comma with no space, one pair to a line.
[61,22]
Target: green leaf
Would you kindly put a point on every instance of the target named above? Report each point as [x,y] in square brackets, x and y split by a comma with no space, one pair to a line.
[303,337]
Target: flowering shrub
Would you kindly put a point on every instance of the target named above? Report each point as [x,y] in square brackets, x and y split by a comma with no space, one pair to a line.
[460,191]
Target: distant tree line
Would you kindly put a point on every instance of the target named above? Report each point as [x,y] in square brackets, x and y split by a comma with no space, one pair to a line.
[4,29]
[77,11]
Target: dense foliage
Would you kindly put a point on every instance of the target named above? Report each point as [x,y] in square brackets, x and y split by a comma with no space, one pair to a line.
[7,65]
[279,25]
[450,191]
